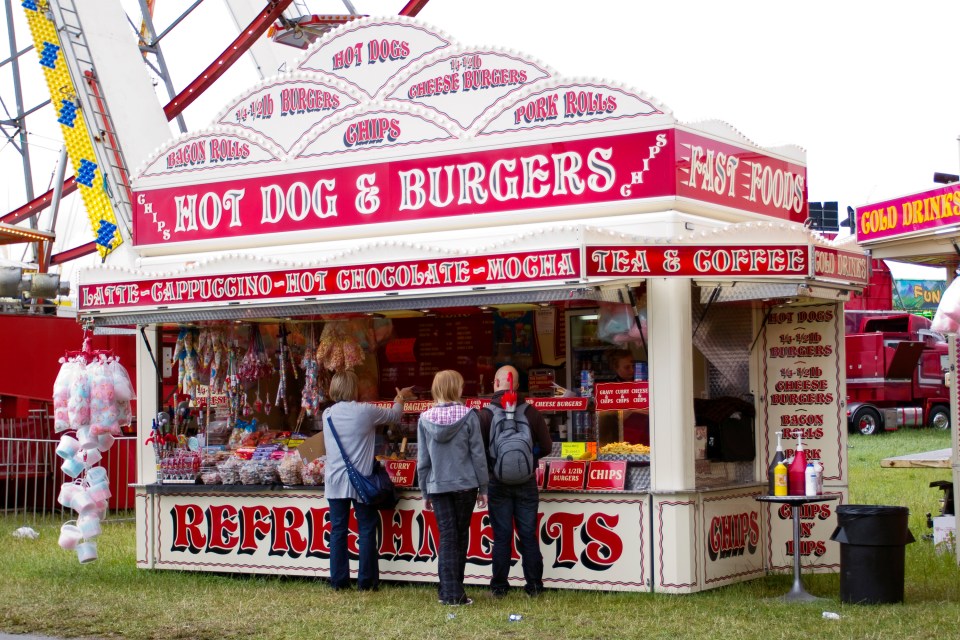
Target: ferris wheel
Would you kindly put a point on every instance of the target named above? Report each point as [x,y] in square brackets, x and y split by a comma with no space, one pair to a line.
[82,104]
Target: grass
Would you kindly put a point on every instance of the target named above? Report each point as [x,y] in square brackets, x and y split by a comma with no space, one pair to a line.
[44,590]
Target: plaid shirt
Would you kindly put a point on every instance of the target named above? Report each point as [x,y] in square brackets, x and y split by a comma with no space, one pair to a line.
[446,413]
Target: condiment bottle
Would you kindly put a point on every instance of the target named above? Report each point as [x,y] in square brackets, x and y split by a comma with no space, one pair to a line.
[819,468]
[796,482]
[777,459]
[810,480]
[780,479]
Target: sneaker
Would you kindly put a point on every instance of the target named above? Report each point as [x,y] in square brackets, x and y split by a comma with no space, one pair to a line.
[498,593]
[457,603]
[534,593]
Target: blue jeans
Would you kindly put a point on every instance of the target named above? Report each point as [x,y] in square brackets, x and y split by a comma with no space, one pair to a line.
[368,573]
[453,511]
[515,507]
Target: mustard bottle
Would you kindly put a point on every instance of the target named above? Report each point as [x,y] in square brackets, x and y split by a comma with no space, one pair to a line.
[780,479]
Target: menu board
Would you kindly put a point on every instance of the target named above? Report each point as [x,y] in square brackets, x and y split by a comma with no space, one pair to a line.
[460,342]
[802,386]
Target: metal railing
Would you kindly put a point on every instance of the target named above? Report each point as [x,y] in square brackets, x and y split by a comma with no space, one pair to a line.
[30,474]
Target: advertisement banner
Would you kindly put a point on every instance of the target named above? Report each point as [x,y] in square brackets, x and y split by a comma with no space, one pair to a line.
[588,542]
[439,273]
[693,261]
[465,185]
[918,295]
[921,212]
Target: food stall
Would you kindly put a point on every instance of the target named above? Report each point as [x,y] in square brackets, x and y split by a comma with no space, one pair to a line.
[399,203]
[924,228]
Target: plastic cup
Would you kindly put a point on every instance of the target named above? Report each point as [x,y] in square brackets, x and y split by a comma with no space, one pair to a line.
[96,474]
[87,439]
[87,551]
[105,441]
[91,457]
[83,503]
[68,447]
[89,526]
[70,536]
[72,467]
[67,492]
[99,492]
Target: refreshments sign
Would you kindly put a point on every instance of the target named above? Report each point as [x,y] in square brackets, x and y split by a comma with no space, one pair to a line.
[922,212]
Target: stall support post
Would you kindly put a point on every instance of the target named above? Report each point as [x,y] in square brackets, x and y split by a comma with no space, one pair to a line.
[954,387]
[147,384]
[671,384]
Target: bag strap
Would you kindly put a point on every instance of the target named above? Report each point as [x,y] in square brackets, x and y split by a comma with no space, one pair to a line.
[343,453]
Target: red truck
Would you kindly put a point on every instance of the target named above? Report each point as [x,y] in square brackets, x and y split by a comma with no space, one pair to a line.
[895,372]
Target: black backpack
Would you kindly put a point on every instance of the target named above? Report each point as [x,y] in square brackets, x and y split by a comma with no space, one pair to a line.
[511,446]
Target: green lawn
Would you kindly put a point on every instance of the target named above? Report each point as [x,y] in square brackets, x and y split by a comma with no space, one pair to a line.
[45,590]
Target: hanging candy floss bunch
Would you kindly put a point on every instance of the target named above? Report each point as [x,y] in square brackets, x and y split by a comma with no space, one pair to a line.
[78,405]
[61,394]
[104,416]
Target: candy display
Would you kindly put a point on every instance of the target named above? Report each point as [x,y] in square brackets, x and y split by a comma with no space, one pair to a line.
[290,469]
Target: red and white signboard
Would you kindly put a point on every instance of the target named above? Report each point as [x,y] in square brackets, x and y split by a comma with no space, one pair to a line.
[846,266]
[517,179]
[605,475]
[802,392]
[723,174]
[402,472]
[692,261]
[439,273]
[588,542]
[566,475]
[619,396]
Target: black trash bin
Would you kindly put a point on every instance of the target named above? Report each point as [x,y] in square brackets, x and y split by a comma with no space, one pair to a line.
[872,540]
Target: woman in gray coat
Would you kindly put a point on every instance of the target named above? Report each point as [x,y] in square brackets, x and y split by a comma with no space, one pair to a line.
[452,467]
[356,424]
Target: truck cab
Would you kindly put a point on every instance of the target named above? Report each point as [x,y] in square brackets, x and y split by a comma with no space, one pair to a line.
[895,373]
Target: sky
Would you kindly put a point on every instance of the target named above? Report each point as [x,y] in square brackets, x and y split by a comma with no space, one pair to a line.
[867,88]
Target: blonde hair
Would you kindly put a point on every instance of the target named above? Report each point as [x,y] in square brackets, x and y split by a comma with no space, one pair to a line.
[447,386]
[344,386]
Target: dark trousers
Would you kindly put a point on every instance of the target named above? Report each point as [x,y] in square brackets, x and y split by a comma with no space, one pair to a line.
[453,512]
[368,572]
[515,507]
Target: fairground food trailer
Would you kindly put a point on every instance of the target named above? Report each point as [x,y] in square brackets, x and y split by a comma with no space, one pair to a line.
[400,203]
[921,228]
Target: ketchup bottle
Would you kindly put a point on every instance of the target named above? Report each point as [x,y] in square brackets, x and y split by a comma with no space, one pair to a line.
[796,474]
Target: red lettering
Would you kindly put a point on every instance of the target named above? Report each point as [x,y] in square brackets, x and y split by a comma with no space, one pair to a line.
[187,535]
[604,546]
[254,526]
[222,525]
[562,527]
[318,532]
[398,527]
[286,537]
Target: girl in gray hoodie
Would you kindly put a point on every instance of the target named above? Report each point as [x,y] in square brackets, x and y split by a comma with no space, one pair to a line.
[452,470]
